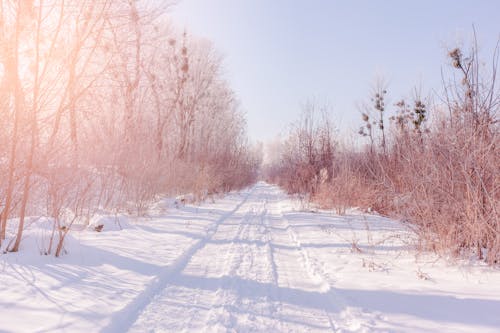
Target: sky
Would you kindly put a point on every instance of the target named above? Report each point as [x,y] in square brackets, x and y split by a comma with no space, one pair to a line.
[280,54]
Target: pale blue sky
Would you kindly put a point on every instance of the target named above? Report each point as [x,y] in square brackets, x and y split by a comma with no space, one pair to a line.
[278,53]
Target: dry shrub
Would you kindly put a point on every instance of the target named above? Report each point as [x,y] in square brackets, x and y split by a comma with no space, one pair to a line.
[441,174]
[306,160]
[453,194]
[349,187]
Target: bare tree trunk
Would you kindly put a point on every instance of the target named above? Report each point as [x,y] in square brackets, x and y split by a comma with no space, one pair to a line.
[34,130]
[12,70]
[132,81]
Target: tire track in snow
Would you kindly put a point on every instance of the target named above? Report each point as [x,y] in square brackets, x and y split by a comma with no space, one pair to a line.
[243,256]
[314,272]
[274,270]
[349,319]
[125,318]
[263,254]
[220,304]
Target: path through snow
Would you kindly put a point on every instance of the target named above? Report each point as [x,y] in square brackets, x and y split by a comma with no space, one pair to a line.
[251,262]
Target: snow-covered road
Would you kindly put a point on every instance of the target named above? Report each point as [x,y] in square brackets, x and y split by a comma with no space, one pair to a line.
[254,261]
[251,275]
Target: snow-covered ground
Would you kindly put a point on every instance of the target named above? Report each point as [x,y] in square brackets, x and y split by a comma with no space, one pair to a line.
[250,262]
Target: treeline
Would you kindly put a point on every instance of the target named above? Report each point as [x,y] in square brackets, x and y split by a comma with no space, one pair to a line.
[437,167]
[104,106]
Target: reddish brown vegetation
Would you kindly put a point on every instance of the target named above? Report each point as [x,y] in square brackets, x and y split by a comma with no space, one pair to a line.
[443,175]
[104,105]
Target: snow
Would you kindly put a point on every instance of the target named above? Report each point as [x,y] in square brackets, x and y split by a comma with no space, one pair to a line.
[253,261]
